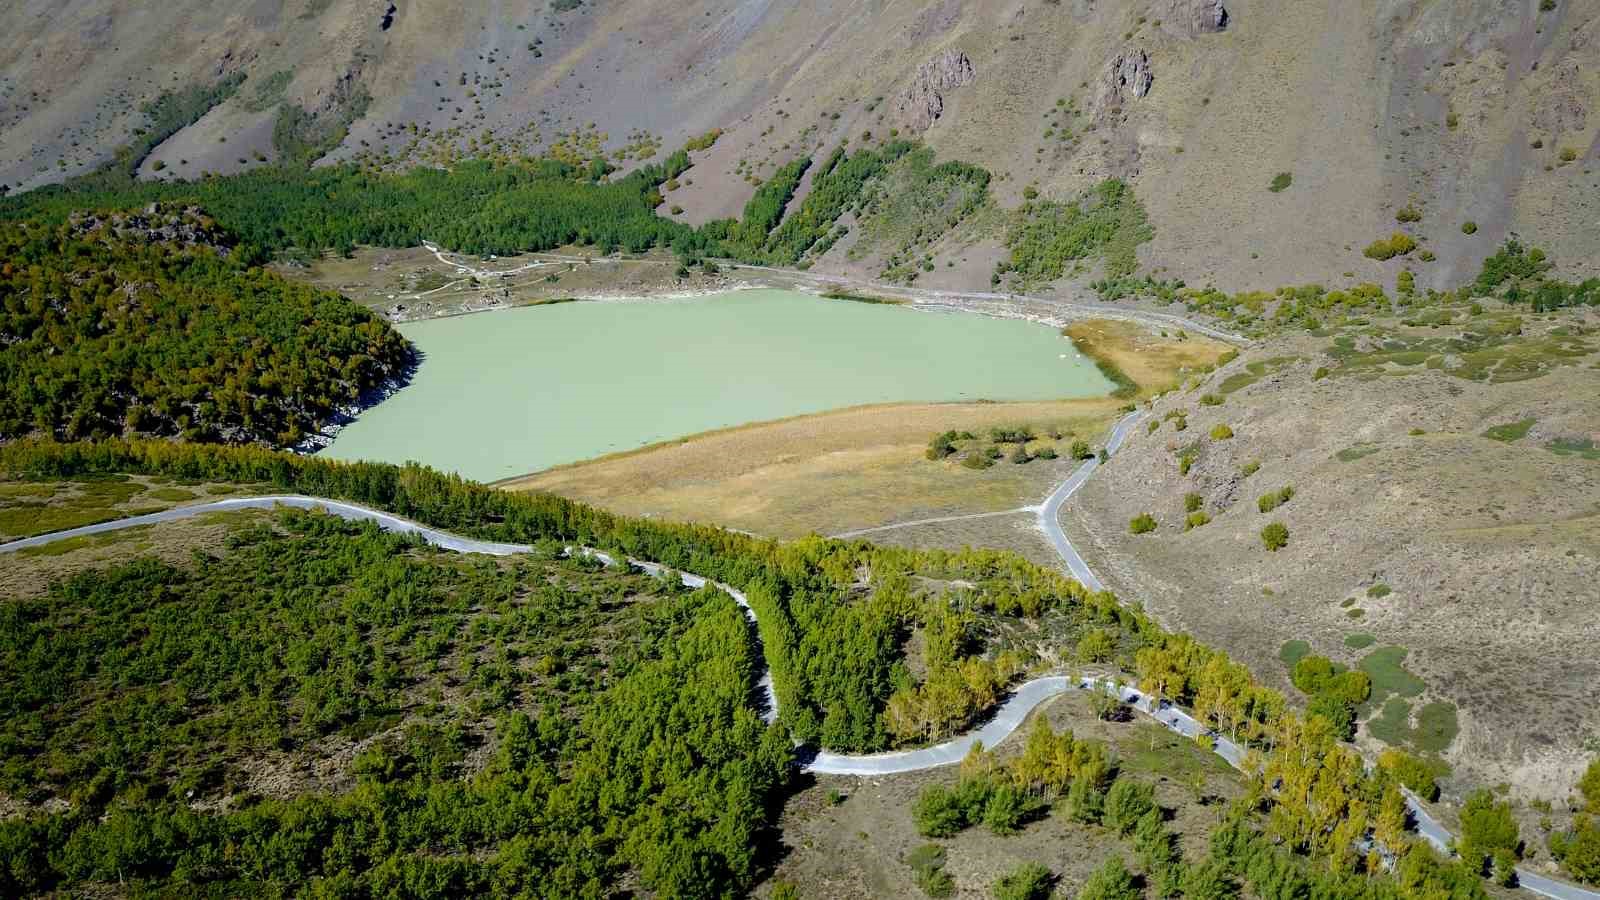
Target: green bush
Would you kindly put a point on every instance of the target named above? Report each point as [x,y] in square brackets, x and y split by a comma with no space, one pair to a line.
[1192,502]
[1397,244]
[1112,881]
[1469,227]
[1408,213]
[1029,881]
[1280,181]
[1143,523]
[1126,803]
[1273,499]
[1195,520]
[1487,829]
[1589,786]
[1221,432]
[1275,536]
[927,865]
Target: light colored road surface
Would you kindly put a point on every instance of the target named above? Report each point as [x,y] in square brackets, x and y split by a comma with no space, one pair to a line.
[1005,720]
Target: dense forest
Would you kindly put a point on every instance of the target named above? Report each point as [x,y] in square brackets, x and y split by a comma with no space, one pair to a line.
[830,612]
[530,728]
[487,207]
[475,207]
[154,323]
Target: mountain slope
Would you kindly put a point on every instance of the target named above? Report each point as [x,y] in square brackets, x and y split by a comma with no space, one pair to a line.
[1464,110]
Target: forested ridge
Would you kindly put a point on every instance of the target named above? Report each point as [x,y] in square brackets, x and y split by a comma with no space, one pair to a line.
[155,324]
[534,728]
[835,677]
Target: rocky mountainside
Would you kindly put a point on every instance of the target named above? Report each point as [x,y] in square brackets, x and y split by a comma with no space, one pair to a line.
[1474,111]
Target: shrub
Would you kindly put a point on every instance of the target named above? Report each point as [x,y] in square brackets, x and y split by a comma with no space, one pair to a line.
[1275,536]
[1469,227]
[785,890]
[1192,502]
[1019,454]
[1143,523]
[1080,450]
[1280,181]
[1221,432]
[1589,786]
[1212,399]
[1568,154]
[1273,499]
[1047,453]
[941,445]
[1195,520]
[943,812]
[1111,881]
[1408,213]
[1397,244]
[1127,802]
[1029,881]
[1009,807]
[1250,468]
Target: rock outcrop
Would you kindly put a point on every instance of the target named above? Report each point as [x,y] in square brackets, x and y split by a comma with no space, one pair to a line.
[1190,18]
[1127,77]
[922,102]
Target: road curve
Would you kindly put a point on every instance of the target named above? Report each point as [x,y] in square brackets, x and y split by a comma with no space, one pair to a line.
[1005,719]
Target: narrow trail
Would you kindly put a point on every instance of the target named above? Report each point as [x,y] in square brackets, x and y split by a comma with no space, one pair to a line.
[1006,718]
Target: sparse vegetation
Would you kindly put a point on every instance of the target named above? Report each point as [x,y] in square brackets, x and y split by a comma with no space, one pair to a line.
[1280,182]
[1108,222]
[1143,523]
[1275,536]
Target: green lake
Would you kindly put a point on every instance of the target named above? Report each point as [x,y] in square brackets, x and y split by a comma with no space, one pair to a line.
[510,392]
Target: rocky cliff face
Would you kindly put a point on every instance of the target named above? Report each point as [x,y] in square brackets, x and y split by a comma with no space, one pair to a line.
[922,102]
[1127,77]
[1188,18]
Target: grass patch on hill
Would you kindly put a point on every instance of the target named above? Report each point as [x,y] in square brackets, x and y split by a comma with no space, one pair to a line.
[1389,675]
[1509,432]
[1393,724]
[1254,372]
[1356,451]
[1293,651]
[1584,448]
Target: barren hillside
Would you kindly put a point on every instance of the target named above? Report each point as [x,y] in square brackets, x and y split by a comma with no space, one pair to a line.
[1465,109]
[1447,506]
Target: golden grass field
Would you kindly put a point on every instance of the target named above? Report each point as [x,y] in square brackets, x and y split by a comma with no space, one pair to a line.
[864,466]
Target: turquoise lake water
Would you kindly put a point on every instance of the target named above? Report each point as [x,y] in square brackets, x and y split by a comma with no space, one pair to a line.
[505,393]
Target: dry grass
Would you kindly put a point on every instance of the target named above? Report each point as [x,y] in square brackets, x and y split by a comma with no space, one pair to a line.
[1156,361]
[841,470]
[29,573]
